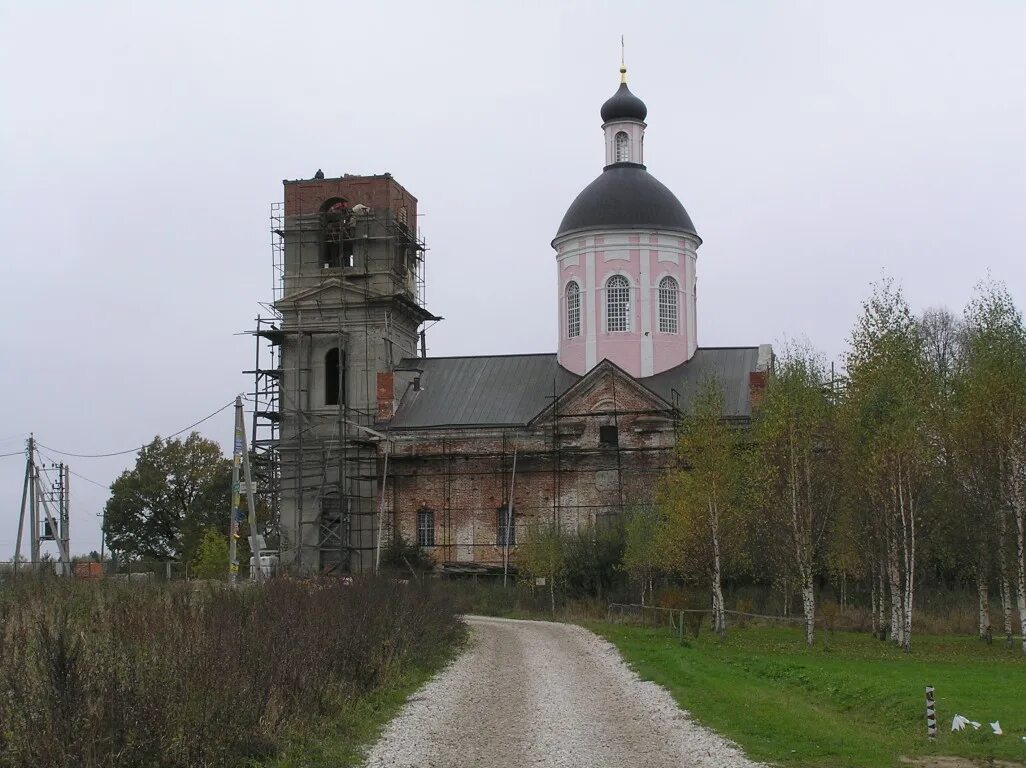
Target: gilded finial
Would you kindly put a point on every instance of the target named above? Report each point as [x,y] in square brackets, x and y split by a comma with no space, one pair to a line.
[623,65]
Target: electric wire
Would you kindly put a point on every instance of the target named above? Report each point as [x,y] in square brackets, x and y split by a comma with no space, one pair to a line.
[52,460]
[227,405]
[15,453]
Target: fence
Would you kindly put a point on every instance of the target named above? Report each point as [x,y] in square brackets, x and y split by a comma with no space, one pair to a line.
[677,620]
[141,570]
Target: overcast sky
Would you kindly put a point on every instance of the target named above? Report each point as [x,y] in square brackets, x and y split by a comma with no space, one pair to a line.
[817,146]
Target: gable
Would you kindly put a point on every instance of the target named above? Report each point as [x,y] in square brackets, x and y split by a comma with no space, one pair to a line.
[327,292]
[606,388]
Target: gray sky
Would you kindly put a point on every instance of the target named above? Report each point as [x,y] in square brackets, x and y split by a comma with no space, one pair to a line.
[816,146]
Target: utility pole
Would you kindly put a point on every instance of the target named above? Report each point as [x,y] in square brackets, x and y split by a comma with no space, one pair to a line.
[21,517]
[33,496]
[240,461]
[33,503]
[65,532]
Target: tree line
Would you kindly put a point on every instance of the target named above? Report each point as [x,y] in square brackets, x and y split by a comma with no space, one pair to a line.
[910,462]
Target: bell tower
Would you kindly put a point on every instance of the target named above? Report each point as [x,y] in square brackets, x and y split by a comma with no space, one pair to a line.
[350,302]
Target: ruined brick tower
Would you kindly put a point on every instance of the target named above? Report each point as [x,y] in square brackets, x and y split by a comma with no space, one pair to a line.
[349,296]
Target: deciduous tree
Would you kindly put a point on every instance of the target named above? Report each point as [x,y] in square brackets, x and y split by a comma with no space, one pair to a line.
[795,437]
[993,404]
[543,554]
[160,508]
[702,502]
[884,418]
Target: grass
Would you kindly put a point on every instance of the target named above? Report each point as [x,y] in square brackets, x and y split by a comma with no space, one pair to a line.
[112,675]
[853,702]
[342,741]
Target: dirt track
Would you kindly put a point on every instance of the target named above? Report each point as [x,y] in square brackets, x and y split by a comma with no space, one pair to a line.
[544,694]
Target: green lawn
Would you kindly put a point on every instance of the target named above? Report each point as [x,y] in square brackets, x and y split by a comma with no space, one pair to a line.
[855,702]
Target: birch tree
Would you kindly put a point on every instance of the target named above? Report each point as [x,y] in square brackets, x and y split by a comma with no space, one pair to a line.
[994,401]
[543,555]
[640,548]
[795,434]
[701,501]
[884,416]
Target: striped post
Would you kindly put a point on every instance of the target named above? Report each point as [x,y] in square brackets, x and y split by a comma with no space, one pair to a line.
[931,714]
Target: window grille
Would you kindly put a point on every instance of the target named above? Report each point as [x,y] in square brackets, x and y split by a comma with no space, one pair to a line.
[667,305]
[426,528]
[505,536]
[623,147]
[618,304]
[573,310]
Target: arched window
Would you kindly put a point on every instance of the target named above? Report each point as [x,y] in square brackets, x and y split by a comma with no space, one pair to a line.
[573,310]
[505,527]
[335,377]
[426,527]
[618,304]
[667,305]
[622,143]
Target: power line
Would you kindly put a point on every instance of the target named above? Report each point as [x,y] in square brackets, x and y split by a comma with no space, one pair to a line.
[227,405]
[52,460]
[15,453]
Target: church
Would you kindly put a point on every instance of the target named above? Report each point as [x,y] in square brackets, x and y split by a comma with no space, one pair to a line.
[361,438]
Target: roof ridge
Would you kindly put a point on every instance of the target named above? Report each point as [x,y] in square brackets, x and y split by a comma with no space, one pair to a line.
[746,346]
[481,357]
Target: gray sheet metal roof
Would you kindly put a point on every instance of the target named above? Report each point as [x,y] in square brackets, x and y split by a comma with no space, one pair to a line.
[626,196]
[477,391]
[730,366]
[507,390]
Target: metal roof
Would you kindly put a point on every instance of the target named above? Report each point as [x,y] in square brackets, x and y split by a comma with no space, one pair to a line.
[623,105]
[477,391]
[729,366]
[626,196]
[507,390]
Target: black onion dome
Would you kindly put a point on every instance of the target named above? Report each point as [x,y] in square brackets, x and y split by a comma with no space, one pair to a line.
[626,196]
[623,105]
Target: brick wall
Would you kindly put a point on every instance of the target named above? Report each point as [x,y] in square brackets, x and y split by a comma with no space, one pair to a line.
[306,196]
[463,475]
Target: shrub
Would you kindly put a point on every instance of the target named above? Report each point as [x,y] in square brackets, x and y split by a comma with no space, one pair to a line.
[197,674]
[211,556]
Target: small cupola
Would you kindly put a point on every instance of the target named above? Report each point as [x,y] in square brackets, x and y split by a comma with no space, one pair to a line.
[623,105]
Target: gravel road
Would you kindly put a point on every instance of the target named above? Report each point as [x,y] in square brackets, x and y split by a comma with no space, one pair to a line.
[544,694]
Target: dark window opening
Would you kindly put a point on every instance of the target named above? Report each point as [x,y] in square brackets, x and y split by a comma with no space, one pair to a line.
[608,435]
[335,377]
[426,527]
[505,527]
[337,234]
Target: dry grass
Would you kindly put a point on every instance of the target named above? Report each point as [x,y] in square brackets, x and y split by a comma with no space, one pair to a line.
[197,675]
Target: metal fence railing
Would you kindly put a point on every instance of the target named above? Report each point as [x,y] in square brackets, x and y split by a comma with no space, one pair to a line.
[681,620]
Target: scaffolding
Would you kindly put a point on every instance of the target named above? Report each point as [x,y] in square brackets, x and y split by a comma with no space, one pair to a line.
[555,474]
[328,457]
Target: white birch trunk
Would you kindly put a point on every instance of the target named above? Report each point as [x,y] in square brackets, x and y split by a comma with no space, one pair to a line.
[983,599]
[801,535]
[894,574]
[714,527]
[874,597]
[881,599]
[1006,590]
[1017,499]
[809,606]
[908,520]
[1020,545]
